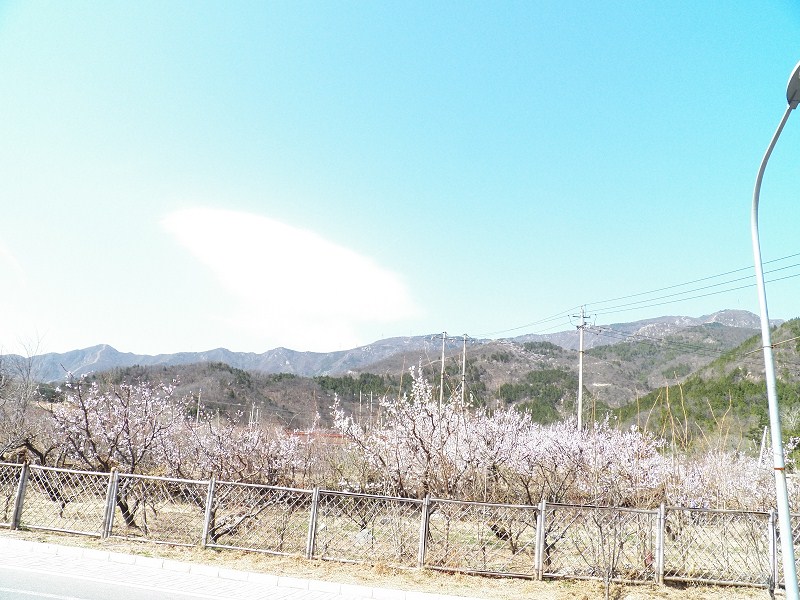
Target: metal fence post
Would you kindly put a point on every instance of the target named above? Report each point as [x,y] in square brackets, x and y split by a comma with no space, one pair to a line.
[423,531]
[312,523]
[111,503]
[212,485]
[538,557]
[772,537]
[661,522]
[16,516]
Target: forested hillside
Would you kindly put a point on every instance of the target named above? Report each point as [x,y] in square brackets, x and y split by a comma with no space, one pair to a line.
[726,400]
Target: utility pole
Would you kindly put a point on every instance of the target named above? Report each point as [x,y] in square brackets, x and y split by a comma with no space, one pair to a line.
[581,327]
[441,377]
[197,413]
[464,371]
[255,415]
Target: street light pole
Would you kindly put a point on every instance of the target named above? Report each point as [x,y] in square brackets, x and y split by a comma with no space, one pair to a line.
[782,496]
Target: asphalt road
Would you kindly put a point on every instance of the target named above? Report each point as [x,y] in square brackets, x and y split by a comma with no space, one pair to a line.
[83,581]
[30,571]
[25,584]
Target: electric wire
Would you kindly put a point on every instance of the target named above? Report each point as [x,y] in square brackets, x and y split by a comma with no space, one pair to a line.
[559,315]
[707,278]
[632,305]
[675,344]
[691,348]
[596,306]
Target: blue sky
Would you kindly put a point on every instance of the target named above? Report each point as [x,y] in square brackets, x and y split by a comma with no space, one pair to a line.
[320,175]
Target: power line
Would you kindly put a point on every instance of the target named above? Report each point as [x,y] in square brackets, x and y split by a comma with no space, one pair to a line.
[733,289]
[561,315]
[676,344]
[632,305]
[677,297]
[678,285]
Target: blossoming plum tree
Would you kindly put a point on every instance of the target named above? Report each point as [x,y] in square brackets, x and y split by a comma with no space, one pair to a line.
[123,426]
[417,447]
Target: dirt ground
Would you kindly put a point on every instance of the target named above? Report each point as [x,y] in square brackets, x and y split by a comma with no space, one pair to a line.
[424,580]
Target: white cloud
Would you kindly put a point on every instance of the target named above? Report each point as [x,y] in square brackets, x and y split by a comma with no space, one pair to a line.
[291,285]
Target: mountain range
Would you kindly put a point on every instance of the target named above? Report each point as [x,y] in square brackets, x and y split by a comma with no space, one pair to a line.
[53,367]
[692,380]
[634,371]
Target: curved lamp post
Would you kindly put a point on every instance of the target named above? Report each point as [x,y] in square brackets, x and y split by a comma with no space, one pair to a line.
[784,520]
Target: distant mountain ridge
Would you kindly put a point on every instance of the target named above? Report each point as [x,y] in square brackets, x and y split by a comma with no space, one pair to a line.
[53,367]
[656,328]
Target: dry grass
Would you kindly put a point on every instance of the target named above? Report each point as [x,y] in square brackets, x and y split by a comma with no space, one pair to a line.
[424,580]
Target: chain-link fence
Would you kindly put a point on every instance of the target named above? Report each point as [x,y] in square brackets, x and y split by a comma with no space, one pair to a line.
[481,537]
[777,564]
[159,509]
[358,527]
[9,484]
[718,546]
[65,500]
[549,540]
[258,517]
[613,544]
